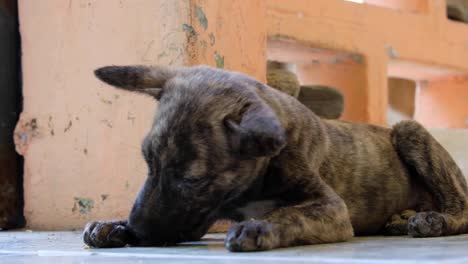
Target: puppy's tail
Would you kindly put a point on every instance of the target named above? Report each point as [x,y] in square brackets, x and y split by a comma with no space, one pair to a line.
[137,78]
[432,164]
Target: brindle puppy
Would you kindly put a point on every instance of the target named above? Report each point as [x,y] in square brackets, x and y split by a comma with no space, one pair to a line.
[224,145]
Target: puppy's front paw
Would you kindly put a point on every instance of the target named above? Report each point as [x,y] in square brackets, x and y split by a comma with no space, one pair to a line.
[106,234]
[426,224]
[251,235]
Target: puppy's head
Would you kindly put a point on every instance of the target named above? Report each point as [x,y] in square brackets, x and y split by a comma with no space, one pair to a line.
[210,139]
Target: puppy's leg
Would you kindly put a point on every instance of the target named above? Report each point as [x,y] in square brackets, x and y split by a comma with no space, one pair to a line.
[321,220]
[398,224]
[107,234]
[431,163]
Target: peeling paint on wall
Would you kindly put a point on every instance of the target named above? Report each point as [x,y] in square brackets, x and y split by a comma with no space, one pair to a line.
[191,33]
[201,17]
[219,60]
[162,54]
[107,123]
[51,126]
[337,60]
[358,58]
[84,205]
[67,128]
[131,117]
[104,197]
[391,51]
[25,131]
[203,43]
[212,39]
[32,124]
[106,101]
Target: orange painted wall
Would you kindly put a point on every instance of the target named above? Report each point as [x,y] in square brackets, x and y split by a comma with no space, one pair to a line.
[405,5]
[380,34]
[443,103]
[233,37]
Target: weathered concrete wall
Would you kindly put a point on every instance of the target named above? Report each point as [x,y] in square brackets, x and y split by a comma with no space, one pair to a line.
[230,34]
[81,138]
[10,183]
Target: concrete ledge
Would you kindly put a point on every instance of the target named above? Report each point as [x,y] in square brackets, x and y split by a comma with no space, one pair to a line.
[456,143]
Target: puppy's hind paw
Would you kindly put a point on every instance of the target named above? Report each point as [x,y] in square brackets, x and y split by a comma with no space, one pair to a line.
[426,224]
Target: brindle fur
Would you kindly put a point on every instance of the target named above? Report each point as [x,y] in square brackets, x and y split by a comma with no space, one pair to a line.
[224,145]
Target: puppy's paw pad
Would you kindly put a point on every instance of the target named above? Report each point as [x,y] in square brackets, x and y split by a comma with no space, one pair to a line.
[106,234]
[426,224]
[251,236]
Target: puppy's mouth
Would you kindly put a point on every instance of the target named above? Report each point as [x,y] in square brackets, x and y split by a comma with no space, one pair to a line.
[194,226]
[200,227]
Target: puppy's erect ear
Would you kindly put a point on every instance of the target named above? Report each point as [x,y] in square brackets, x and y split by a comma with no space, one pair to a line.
[259,132]
[142,79]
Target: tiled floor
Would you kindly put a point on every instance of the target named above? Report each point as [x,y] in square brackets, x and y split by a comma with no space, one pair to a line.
[67,247]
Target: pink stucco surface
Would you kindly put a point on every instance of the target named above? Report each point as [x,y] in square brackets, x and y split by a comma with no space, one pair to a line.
[81,138]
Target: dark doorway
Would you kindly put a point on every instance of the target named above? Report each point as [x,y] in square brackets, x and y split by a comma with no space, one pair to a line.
[11,171]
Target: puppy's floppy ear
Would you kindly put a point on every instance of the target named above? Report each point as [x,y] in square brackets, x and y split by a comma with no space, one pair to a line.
[142,79]
[259,133]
